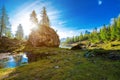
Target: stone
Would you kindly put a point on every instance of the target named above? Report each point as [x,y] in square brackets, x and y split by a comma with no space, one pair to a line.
[89,54]
[56,67]
[45,36]
[79,46]
[93,45]
[114,56]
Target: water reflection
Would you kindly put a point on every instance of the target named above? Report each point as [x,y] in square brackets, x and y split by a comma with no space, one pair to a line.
[24,59]
[15,60]
[11,62]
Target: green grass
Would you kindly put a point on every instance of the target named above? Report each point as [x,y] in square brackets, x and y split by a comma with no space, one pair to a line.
[115,45]
[66,65]
[5,72]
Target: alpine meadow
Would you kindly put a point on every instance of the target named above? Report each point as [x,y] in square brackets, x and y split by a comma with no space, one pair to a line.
[59,40]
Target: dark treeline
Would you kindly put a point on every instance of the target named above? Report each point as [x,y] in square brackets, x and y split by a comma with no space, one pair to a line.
[105,34]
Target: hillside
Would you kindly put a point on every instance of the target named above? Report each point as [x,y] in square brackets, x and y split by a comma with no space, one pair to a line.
[47,40]
[63,64]
[11,45]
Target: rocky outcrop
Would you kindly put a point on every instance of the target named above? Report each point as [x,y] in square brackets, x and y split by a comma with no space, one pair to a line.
[79,47]
[10,45]
[44,36]
[108,54]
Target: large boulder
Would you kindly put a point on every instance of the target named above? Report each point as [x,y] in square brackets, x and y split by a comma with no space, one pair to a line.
[44,36]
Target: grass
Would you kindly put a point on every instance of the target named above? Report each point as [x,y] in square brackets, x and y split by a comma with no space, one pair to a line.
[115,45]
[65,65]
[5,72]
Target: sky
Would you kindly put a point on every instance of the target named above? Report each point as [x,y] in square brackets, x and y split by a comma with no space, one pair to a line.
[68,17]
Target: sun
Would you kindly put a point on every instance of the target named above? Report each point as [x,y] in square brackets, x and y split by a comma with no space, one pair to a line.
[99,2]
[24,21]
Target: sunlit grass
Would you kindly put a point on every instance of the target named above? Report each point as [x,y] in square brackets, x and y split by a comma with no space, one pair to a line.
[67,65]
[114,45]
[5,72]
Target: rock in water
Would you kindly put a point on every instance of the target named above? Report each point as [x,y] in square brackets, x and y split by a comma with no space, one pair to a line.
[44,36]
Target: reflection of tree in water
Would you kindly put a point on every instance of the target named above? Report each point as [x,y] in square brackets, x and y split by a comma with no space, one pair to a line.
[21,59]
[18,59]
[2,62]
[24,59]
[11,62]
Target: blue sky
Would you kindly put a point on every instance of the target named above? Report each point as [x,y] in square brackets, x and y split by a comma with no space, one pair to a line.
[68,17]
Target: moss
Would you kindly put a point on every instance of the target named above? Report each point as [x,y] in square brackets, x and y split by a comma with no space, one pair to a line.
[114,45]
[5,72]
[11,45]
[71,65]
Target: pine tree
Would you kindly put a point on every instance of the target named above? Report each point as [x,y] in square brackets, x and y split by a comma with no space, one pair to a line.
[45,19]
[113,30]
[33,17]
[5,27]
[118,28]
[94,36]
[68,40]
[108,33]
[19,33]
[81,37]
[8,32]
[86,35]
[102,33]
[105,34]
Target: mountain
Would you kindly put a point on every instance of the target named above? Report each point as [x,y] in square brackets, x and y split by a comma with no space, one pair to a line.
[62,39]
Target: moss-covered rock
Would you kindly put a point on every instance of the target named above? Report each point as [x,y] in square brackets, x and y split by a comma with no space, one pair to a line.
[79,46]
[44,36]
[108,54]
[10,45]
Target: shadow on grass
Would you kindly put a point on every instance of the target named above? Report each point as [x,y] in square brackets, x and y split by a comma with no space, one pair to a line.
[108,54]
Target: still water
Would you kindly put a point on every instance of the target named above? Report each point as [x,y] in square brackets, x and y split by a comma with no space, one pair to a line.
[12,61]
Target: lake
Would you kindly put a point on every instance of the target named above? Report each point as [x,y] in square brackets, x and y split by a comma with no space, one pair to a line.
[11,61]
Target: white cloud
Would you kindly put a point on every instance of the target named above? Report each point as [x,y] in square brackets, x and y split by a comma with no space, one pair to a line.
[111,21]
[22,15]
[62,22]
[99,2]
[70,33]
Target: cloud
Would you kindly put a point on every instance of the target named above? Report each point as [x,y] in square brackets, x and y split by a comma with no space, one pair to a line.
[62,22]
[99,2]
[112,21]
[22,15]
[70,33]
